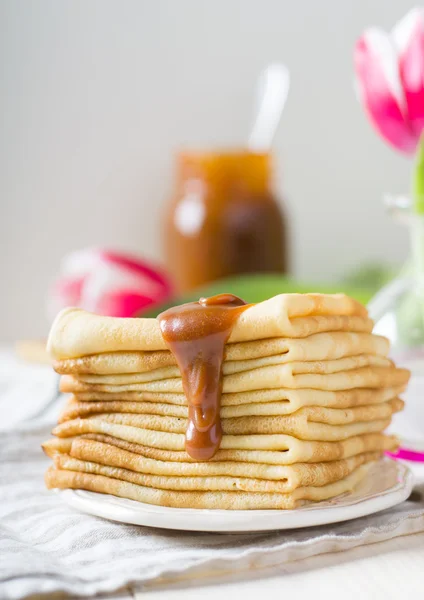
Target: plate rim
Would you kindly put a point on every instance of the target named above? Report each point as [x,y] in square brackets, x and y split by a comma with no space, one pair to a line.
[242,521]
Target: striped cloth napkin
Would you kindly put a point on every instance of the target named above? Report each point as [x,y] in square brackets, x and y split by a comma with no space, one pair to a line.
[47,547]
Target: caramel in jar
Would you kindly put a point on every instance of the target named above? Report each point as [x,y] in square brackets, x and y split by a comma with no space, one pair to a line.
[223,219]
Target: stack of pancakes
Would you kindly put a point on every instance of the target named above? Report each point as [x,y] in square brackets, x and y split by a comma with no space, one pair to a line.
[307,392]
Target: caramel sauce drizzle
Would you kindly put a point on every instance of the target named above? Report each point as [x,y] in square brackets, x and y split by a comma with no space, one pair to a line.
[196,333]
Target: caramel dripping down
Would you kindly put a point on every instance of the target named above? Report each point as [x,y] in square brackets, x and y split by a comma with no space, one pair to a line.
[196,333]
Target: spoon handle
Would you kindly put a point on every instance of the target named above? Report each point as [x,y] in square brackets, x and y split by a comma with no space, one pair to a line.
[273,88]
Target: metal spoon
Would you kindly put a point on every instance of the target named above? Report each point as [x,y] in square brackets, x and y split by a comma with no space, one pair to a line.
[273,88]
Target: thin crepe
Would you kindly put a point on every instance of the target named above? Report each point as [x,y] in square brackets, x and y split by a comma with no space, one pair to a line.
[214,476]
[249,367]
[77,333]
[321,346]
[253,423]
[74,409]
[291,449]
[265,378]
[241,433]
[293,399]
[62,479]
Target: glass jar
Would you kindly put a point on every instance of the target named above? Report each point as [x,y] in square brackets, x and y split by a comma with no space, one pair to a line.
[223,219]
[398,313]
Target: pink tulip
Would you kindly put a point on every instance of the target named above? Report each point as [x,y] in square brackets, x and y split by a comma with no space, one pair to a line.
[390,77]
[108,284]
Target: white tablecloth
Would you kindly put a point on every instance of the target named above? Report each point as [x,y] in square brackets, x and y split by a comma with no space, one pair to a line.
[46,546]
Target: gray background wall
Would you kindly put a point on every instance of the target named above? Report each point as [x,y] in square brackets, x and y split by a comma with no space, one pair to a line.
[96,95]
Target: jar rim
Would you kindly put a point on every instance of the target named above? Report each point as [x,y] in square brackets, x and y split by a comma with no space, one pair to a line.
[219,153]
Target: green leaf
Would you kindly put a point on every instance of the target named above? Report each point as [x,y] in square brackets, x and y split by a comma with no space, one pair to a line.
[256,288]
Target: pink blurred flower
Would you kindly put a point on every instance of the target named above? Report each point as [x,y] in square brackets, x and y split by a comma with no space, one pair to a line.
[107,283]
[390,77]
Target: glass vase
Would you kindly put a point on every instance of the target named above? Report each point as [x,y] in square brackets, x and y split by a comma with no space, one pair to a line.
[398,313]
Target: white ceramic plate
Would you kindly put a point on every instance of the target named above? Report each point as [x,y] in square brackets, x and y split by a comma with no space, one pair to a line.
[388,483]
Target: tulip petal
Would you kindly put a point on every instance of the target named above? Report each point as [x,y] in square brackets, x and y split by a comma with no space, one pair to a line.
[132,264]
[123,303]
[112,278]
[108,283]
[380,89]
[408,36]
